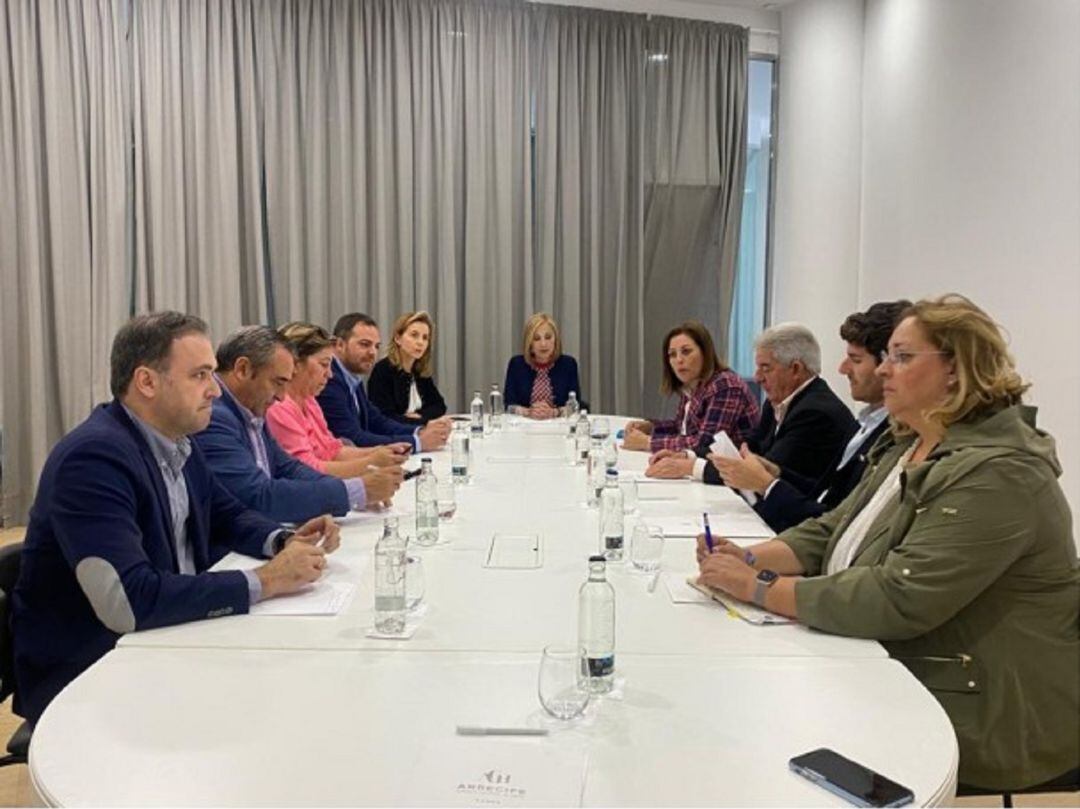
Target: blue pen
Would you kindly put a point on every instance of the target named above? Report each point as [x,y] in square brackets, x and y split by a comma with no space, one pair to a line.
[708,531]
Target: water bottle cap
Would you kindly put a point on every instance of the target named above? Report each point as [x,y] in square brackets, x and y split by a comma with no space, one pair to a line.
[598,558]
[425,462]
[613,473]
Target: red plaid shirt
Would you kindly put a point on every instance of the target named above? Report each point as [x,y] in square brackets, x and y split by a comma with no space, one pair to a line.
[723,402]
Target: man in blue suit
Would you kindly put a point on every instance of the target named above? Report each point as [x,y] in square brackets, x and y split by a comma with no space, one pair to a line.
[254,365]
[344,401]
[128,518]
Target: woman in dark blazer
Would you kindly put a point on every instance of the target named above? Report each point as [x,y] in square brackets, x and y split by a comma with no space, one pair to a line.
[400,384]
[541,378]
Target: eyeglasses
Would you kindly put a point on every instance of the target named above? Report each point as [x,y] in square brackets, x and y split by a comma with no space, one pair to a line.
[904,357]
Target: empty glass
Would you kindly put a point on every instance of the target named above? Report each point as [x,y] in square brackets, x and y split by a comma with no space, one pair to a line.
[446,497]
[629,495]
[414,583]
[563,674]
[646,547]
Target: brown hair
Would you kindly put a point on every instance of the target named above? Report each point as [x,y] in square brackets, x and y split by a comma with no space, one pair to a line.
[305,339]
[531,325]
[986,375]
[696,331]
[422,367]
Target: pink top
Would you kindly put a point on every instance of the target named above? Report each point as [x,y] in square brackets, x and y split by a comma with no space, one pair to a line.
[302,432]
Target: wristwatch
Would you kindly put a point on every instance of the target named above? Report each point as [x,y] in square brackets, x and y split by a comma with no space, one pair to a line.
[282,537]
[765,580]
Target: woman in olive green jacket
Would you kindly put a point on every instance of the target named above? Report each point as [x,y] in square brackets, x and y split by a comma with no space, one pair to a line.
[955,551]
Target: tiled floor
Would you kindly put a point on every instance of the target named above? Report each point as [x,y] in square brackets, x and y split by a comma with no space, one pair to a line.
[15,785]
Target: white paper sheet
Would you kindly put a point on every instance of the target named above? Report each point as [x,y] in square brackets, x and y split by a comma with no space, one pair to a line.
[321,598]
[484,771]
[680,591]
[723,445]
[722,525]
[751,613]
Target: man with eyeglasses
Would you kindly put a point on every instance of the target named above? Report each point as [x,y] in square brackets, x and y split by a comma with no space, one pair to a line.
[787,497]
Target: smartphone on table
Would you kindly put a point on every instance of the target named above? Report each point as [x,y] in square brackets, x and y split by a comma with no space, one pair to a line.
[850,780]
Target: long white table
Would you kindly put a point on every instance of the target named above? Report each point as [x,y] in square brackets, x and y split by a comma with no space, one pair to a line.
[275,710]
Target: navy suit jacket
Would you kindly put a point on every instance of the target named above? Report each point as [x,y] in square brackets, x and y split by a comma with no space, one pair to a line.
[294,492]
[356,418]
[814,432]
[520,377]
[102,516]
[794,498]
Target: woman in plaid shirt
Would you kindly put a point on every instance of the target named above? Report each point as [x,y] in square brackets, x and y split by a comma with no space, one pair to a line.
[712,397]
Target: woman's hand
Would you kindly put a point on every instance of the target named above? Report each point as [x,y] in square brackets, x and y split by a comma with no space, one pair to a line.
[634,439]
[720,545]
[727,572]
[640,425]
[671,467]
[542,410]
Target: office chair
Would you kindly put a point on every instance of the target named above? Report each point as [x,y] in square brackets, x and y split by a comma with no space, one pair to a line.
[10,558]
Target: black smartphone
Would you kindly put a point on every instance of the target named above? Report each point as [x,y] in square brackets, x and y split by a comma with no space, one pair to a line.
[851,781]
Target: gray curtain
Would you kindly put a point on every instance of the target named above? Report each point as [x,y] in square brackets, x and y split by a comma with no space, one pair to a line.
[694,165]
[589,122]
[268,160]
[64,207]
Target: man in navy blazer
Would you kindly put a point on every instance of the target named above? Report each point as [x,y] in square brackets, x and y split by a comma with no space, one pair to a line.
[344,402]
[254,365]
[128,518]
[787,497]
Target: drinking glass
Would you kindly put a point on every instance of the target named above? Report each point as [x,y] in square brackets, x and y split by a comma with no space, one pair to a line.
[563,674]
[446,497]
[629,495]
[414,582]
[646,547]
[599,427]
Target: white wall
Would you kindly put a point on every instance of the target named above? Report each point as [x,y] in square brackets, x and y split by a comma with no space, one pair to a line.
[970,179]
[816,226]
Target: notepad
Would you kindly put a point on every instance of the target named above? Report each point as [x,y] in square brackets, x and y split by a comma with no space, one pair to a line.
[744,525]
[515,551]
[751,613]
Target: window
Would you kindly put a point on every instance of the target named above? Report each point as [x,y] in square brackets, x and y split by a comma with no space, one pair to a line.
[748,305]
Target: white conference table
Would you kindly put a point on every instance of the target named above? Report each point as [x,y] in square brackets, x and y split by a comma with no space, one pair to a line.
[280,710]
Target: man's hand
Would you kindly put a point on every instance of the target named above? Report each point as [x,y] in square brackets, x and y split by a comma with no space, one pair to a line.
[745,472]
[298,564]
[318,529]
[381,484]
[674,466]
[434,434]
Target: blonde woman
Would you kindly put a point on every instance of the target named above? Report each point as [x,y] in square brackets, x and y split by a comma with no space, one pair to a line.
[541,378]
[400,384]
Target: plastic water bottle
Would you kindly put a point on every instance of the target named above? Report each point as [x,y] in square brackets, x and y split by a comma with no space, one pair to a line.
[594,472]
[476,416]
[611,518]
[495,404]
[596,627]
[390,562]
[459,454]
[581,436]
[427,505]
[572,408]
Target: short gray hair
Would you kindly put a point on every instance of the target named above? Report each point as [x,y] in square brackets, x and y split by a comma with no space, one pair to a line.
[257,343]
[791,342]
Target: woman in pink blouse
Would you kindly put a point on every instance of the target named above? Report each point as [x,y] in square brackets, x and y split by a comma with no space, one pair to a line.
[297,421]
[712,397]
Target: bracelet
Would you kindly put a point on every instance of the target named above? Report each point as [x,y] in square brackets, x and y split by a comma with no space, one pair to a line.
[749,558]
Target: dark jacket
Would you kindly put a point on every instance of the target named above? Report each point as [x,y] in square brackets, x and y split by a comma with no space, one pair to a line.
[388,389]
[102,513]
[520,377]
[357,419]
[794,498]
[969,578]
[813,433]
[294,492]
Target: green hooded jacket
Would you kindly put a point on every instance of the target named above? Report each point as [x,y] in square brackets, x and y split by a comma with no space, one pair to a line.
[969,578]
